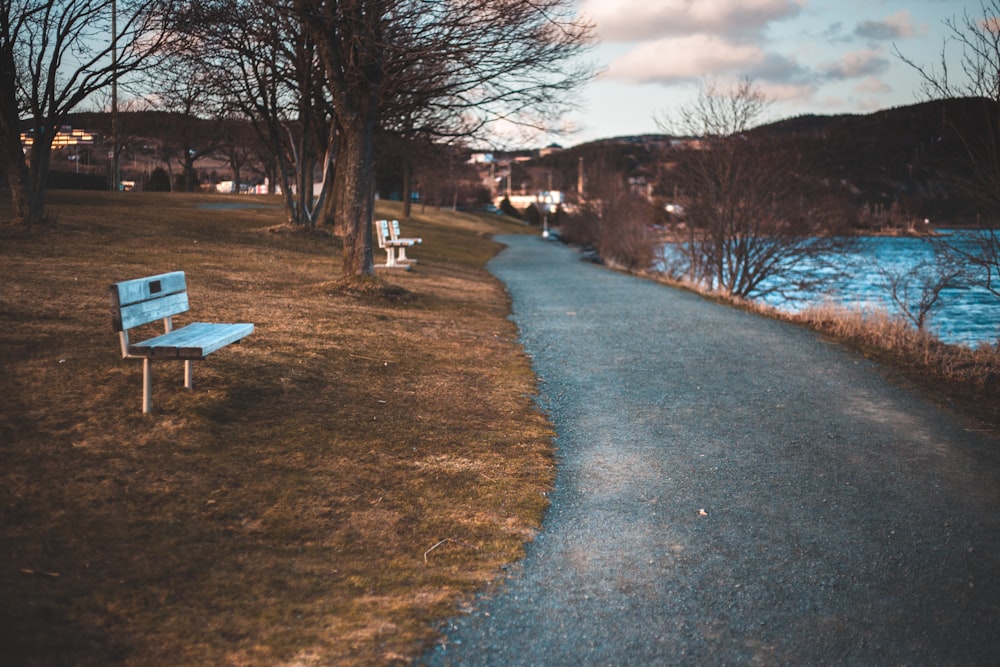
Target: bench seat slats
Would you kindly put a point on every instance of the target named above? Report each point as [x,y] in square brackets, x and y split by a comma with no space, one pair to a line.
[146,300]
[193,341]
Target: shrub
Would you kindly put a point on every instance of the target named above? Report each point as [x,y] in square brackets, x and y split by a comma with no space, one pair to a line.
[159,181]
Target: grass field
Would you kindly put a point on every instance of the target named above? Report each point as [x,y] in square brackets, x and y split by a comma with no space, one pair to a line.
[330,489]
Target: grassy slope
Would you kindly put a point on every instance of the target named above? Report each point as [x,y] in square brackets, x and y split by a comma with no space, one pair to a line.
[330,489]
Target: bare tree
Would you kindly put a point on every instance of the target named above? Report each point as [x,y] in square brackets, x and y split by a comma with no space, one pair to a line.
[186,93]
[916,292]
[976,38]
[240,147]
[750,229]
[468,61]
[266,68]
[53,56]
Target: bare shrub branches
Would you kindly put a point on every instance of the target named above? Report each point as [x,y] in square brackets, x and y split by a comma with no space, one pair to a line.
[916,292]
[750,230]
[977,40]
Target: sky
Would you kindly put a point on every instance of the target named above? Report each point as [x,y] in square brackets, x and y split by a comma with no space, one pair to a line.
[806,56]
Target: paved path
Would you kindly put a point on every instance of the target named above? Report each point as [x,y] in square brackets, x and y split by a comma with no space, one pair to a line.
[731,491]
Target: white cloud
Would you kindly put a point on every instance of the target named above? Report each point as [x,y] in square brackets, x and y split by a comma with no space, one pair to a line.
[856,64]
[697,56]
[786,92]
[639,20]
[873,86]
[991,24]
[685,58]
[896,26]
[829,103]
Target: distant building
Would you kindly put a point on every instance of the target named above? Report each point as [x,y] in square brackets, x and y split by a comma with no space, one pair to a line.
[481,158]
[66,136]
[545,201]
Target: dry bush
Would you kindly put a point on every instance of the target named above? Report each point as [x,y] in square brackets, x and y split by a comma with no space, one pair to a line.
[961,378]
[615,222]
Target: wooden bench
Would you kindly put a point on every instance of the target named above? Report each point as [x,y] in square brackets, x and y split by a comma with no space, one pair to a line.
[145,300]
[394,234]
[385,241]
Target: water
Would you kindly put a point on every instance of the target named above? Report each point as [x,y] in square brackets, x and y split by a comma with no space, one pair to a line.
[966,315]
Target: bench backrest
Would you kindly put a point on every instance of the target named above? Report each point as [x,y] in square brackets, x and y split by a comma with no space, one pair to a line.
[382,232]
[396,233]
[144,300]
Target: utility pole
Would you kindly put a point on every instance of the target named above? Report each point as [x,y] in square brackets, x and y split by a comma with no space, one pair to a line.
[115,178]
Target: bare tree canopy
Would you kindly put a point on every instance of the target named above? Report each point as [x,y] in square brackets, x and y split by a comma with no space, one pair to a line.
[320,80]
[264,67]
[976,38]
[54,55]
[749,229]
[446,67]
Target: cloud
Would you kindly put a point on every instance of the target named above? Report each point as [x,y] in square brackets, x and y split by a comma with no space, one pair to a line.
[693,57]
[640,20]
[891,27]
[991,24]
[873,86]
[856,64]
[787,92]
[835,33]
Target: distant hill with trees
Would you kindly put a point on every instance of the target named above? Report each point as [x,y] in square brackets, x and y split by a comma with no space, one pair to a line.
[907,161]
[910,156]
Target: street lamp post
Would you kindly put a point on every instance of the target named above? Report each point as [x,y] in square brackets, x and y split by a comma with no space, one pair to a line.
[115,177]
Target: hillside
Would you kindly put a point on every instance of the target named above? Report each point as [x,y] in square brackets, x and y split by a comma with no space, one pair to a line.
[909,156]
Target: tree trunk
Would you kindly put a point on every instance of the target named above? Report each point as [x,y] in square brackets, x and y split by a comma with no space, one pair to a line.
[28,183]
[407,189]
[29,205]
[190,175]
[17,180]
[354,194]
[27,198]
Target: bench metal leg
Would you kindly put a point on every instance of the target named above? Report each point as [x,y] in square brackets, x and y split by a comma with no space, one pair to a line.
[188,375]
[147,385]
[402,258]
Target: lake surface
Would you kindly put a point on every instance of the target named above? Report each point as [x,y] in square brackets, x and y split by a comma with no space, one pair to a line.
[966,315]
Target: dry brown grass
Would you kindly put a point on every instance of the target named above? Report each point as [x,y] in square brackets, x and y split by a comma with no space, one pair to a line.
[963,378]
[330,488]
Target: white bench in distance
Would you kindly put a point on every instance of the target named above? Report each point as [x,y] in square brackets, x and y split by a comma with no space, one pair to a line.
[387,243]
[145,300]
[394,233]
